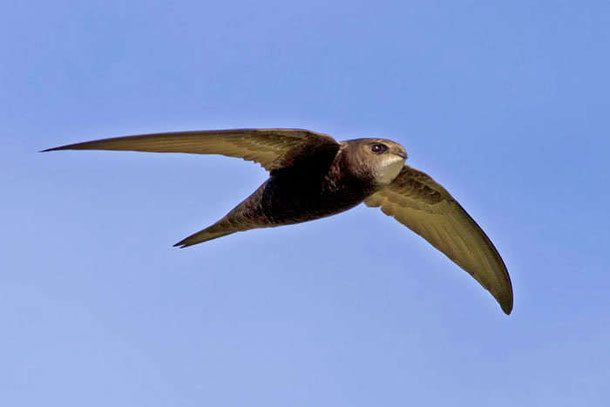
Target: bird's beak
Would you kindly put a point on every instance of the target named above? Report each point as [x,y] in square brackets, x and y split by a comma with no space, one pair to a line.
[401,154]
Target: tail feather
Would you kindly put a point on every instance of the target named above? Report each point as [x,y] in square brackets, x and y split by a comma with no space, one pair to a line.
[213,232]
[245,216]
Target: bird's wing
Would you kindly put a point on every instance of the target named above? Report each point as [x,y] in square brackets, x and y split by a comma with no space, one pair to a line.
[425,207]
[272,148]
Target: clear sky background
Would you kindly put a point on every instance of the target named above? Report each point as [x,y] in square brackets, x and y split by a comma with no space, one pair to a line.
[503,102]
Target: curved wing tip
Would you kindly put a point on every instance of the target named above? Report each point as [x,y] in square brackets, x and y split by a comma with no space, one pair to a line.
[64,147]
[506,298]
[507,306]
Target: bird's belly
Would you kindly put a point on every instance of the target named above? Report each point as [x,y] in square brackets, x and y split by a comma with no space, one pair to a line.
[293,201]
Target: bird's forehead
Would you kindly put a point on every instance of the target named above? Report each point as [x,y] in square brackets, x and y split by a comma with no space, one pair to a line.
[373,140]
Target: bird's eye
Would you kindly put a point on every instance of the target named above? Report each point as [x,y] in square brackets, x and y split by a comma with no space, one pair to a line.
[379,148]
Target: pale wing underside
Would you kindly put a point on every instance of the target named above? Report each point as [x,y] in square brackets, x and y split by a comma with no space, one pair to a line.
[272,148]
[418,202]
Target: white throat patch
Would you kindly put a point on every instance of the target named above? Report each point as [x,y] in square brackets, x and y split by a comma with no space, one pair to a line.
[388,169]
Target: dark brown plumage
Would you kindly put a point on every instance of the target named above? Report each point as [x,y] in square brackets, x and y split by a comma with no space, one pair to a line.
[313,176]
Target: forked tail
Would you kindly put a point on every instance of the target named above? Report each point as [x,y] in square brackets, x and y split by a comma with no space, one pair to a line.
[213,232]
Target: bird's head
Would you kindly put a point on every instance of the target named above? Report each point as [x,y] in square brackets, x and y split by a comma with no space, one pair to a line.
[382,159]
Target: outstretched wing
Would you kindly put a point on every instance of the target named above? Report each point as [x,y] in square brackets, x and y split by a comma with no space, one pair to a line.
[425,207]
[272,148]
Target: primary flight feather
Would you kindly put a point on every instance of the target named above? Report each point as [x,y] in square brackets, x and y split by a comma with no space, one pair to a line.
[312,176]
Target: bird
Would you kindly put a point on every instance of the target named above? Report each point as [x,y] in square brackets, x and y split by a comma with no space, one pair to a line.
[312,175]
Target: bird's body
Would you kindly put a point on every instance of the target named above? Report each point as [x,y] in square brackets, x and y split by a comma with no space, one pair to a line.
[326,183]
[313,176]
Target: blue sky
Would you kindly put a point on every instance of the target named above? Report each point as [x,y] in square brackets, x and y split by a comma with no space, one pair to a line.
[504,103]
